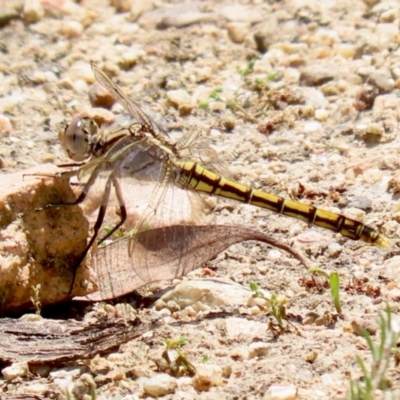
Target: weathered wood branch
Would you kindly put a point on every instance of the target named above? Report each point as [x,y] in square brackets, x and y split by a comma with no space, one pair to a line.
[58,341]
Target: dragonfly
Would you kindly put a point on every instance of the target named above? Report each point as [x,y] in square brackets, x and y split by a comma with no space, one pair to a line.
[160,177]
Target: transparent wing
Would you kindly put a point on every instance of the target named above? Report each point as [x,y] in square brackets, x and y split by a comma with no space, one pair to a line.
[194,146]
[130,106]
[153,201]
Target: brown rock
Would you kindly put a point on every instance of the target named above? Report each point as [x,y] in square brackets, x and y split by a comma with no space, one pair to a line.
[100,97]
[39,247]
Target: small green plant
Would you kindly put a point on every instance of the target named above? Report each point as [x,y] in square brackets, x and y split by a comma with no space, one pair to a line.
[276,306]
[205,358]
[175,344]
[204,105]
[35,299]
[374,375]
[334,284]
[176,358]
[247,70]
[278,310]
[214,95]
[272,76]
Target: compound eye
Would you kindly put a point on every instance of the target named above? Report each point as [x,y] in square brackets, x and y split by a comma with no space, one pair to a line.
[76,138]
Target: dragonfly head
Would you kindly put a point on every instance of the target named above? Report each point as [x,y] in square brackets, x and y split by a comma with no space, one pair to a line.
[77,138]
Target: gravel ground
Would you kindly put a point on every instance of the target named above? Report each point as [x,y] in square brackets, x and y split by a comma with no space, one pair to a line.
[300,99]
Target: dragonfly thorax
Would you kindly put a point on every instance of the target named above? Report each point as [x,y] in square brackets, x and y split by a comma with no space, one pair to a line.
[77,138]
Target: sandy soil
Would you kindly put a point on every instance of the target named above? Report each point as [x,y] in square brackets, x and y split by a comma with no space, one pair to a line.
[315,118]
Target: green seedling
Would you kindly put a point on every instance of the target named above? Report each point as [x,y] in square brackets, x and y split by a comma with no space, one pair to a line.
[205,358]
[214,95]
[276,306]
[374,374]
[247,70]
[334,284]
[176,358]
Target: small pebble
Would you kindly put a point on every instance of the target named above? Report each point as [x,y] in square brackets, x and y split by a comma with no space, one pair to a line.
[237,31]
[203,74]
[15,370]
[321,114]
[100,96]
[122,5]
[345,50]
[33,11]
[217,106]
[281,393]
[334,250]
[5,126]
[185,109]
[130,58]
[229,124]
[207,376]
[160,385]
[179,97]
[311,356]
[70,29]
[315,75]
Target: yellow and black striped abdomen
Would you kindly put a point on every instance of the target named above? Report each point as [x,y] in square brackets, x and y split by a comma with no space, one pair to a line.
[195,176]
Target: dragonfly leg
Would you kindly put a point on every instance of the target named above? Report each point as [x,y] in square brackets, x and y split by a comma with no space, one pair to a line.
[122,209]
[96,228]
[82,195]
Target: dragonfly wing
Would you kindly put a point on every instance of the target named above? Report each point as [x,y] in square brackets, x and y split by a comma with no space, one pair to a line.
[130,106]
[153,201]
[194,146]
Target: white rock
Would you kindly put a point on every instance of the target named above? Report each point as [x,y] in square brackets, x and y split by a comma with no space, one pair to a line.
[281,393]
[334,249]
[159,385]
[70,29]
[207,376]
[321,114]
[15,370]
[179,97]
[217,106]
[312,126]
